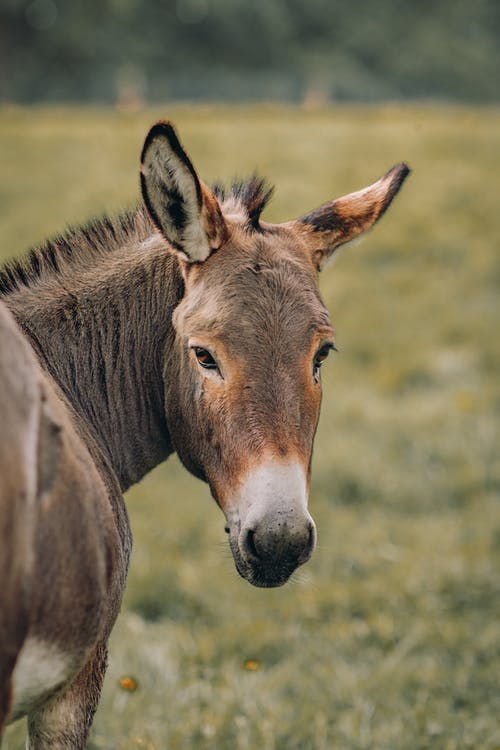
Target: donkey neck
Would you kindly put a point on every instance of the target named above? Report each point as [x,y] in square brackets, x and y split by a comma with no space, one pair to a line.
[104,334]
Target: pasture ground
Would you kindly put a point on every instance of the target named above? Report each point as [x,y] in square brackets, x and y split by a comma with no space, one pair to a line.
[390,637]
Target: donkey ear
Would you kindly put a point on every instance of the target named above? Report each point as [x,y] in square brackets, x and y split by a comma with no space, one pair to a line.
[182,207]
[345,218]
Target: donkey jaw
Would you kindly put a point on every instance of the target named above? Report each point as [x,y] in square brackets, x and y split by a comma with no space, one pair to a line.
[271,531]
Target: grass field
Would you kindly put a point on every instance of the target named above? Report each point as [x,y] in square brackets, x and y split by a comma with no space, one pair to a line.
[389,639]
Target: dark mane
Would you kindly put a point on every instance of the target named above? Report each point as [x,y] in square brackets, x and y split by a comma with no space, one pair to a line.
[87,243]
[78,245]
[253,194]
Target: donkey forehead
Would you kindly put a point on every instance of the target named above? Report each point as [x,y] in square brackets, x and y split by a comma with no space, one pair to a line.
[249,287]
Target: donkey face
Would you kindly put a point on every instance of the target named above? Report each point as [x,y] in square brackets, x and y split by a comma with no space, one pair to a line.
[243,389]
[252,333]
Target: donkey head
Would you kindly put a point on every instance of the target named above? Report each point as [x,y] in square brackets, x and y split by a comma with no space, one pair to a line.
[251,335]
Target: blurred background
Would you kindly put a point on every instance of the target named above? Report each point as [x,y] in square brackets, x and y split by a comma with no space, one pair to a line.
[390,636]
[131,51]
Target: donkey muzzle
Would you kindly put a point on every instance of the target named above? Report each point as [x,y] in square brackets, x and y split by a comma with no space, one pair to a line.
[274,532]
[278,541]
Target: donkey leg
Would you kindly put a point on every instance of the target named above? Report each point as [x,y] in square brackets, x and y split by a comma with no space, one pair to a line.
[64,722]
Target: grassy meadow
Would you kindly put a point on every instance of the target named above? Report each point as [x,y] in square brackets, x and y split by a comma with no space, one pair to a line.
[389,639]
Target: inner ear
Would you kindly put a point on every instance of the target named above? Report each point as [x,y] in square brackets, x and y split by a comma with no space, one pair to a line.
[182,207]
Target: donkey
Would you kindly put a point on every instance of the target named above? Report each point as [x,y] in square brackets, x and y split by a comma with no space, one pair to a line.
[58,536]
[186,325]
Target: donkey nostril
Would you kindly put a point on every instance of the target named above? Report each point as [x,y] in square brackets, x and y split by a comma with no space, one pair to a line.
[248,544]
[311,538]
[309,545]
[250,540]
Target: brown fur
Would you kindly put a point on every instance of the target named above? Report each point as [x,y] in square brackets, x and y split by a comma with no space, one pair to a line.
[58,533]
[20,410]
[100,382]
[280,418]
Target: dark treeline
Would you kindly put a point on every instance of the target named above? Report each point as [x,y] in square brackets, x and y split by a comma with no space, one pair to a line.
[317,50]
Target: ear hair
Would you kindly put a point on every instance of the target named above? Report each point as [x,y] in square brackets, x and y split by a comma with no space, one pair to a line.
[181,206]
[343,219]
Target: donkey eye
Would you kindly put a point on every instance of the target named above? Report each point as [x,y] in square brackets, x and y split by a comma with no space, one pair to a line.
[322,354]
[204,358]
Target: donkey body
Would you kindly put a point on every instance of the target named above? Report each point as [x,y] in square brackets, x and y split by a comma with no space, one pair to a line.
[62,559]
[188,325]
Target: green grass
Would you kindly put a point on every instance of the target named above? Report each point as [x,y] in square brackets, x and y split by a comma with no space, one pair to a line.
[390,637]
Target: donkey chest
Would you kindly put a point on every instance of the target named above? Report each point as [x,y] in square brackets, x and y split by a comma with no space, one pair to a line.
[41,669]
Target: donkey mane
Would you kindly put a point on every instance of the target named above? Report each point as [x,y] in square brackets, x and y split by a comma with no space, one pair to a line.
[252,195]
[75,247]
[79,246]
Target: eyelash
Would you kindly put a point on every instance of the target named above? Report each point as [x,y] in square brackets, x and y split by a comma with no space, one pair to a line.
[204,358]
